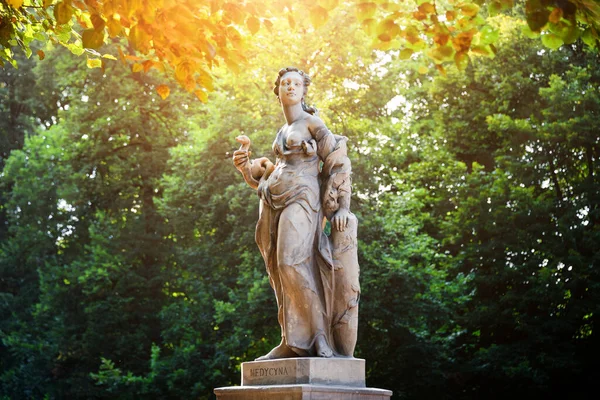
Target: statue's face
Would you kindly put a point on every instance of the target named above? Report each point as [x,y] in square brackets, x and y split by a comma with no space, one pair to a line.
[291,88]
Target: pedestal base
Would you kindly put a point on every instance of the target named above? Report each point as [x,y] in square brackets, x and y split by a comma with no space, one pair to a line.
[305,370]
[300,392]
[303,378]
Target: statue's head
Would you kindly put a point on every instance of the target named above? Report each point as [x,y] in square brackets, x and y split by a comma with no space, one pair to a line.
[306,83]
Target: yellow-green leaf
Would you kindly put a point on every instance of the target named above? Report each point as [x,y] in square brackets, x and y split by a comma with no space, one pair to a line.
[552,41]
[163,91]
[329,4]
[422,70]
[369,26]
[488,35]
[63,12]
[387,30]
[406,53]
[529,33]
[109,56]
[94,63]
[76,48]
[206,81]
[318,16]
[441,69]
[201,95]
[365,11]
[461,59]
[253,25]
[483,50]
[588,38]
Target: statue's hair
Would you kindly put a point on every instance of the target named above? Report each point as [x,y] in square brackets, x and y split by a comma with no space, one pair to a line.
[307,81]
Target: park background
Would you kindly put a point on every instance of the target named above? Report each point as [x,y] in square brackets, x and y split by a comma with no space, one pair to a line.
[128,267]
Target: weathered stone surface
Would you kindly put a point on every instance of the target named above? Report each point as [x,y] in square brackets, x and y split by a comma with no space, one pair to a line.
[300,392]
[305,370]
[315,277]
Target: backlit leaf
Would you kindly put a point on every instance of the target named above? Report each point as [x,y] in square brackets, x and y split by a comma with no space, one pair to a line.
[94,63]
[76,48]
[140,39]
[163,91]
[536,15]
[406,53]
[114,27]
[556,15]
[461,59]
[201,95]
[329,4]
[462,41]
[484,50]
[253,25]
[15,3]
[387,30]
[427,8]
[291,21]
[441,69]
[365,11]
[422,70]
[147,65]
[63,12]
[488,35]
[469,9]
[369,26]
[137,67]
[92,39]
[318,16]
[552,41]
[588,38]
[206,81]
[98,22]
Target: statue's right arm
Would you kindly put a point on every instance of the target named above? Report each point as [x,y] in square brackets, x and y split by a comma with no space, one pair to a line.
[252,170]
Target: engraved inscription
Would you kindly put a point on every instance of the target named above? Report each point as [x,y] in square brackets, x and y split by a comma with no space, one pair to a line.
[257,372]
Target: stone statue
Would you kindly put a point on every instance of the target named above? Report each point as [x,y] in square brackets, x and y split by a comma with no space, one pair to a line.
[314,276]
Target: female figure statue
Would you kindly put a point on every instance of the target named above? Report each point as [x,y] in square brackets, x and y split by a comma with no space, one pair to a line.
[315,277]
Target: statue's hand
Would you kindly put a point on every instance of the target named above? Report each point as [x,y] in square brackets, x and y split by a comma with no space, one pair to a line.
[241,158]
[340,219]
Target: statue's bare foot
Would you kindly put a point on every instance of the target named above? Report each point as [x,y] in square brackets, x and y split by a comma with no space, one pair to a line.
[323,349]
[281,351]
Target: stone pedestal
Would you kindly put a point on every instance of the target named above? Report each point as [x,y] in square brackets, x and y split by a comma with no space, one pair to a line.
[303,379]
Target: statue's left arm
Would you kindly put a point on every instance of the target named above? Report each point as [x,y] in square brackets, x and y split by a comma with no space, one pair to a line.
[336,172]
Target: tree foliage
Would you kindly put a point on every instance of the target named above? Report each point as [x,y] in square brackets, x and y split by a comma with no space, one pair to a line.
[187,39]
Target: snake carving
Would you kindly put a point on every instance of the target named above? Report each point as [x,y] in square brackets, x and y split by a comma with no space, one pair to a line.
[261,167]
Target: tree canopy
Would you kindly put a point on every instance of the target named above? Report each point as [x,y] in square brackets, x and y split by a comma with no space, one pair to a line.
[186,39]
